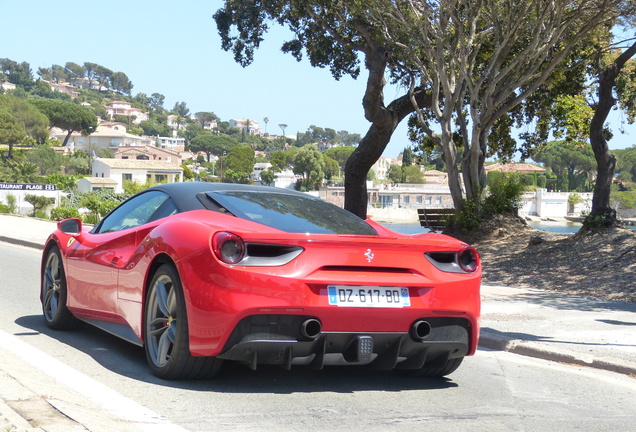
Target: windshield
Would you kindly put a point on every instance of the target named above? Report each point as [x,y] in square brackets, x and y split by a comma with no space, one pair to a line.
[292,213]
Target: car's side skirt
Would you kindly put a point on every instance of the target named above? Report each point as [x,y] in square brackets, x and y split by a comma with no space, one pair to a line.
[120,330]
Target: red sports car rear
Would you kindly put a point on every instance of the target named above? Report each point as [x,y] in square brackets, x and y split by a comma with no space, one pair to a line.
[201,273]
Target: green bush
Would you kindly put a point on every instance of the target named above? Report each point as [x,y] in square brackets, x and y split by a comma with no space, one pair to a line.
[12,203]
[91,218]
[542,181]
[599,221]
[529,179]
[132,187]
[562,183]
[63,182]
[59,213]
[494,176]
[467,219]
[41,214]
[574,199]
[106,207]
[4,209]
[39,203]
[627,199]
[505,195]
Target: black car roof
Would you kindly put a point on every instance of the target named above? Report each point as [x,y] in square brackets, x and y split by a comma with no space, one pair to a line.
[185,194]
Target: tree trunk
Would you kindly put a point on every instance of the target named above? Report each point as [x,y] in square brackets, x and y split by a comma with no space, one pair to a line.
[606,162]
[384,121]
[358,165]
[68,136]
[455,186]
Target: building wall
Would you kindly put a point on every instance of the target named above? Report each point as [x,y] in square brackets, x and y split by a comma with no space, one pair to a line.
[544,204]
[105,137]
[140,175]
[85,185]
[24,207]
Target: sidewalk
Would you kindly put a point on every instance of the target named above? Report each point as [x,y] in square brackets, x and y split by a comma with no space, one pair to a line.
[565,328]
[527,321]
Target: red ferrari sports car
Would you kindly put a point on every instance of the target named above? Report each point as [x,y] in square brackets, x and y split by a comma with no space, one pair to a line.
[198,273]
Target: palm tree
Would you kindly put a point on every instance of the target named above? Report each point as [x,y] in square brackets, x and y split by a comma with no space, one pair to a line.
[16,171]
[283,126]
[266,120]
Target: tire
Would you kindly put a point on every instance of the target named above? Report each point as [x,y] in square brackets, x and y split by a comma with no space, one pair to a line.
[434,372]
[54,293]
[166,338]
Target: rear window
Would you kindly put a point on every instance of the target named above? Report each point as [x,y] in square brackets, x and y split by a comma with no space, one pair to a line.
[291,213]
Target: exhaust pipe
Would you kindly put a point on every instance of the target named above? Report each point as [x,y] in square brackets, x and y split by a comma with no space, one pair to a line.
[310,328]
[420,330]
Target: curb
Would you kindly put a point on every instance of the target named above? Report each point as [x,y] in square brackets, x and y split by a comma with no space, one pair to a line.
[10,420]
[533,349]
[25,243]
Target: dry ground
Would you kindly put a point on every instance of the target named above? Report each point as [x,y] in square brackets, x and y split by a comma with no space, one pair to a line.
[601,265]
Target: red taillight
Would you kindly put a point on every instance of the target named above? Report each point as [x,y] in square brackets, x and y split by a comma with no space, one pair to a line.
[228,247]
[468,259]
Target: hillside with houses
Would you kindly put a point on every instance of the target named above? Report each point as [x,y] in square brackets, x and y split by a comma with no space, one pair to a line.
[91,136]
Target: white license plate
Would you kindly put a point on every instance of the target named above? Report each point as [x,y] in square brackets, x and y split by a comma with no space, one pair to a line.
[368,296]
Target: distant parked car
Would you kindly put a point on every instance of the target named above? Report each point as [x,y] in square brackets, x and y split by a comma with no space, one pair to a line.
[199,273]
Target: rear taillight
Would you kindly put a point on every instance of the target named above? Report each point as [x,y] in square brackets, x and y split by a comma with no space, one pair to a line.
[468,259]
[228,248]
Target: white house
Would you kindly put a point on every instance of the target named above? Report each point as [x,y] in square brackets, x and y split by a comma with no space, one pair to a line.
[259,167]
[125,108]
[64,87]
[434,176]
[286,179]
[6,85]
[175,124]
[544,204]
[106,136]
[120,170]
[381,167]
[252,127]
[172,143]
[87,184]
[148,153]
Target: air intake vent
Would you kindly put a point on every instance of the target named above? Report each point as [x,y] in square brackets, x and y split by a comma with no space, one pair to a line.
[269,255]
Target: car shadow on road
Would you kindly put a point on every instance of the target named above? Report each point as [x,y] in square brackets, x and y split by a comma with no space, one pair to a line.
[125,359]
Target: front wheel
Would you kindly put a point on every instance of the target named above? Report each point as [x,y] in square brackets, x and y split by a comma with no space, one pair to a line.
[166,331]
[54,293]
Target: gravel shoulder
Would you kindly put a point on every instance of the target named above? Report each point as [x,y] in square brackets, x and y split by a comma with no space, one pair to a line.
[600,264]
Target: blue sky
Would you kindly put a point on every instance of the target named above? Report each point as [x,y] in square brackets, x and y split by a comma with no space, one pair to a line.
[173,48]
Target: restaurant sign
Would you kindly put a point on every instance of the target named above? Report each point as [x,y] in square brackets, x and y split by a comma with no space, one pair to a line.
[27,187]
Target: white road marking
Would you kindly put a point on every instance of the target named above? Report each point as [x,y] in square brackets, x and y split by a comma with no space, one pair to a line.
[118,405]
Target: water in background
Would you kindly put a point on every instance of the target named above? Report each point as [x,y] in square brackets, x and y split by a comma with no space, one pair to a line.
[558,227]
[406,227]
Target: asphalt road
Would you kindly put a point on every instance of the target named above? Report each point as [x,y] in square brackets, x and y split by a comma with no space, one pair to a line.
[491,391]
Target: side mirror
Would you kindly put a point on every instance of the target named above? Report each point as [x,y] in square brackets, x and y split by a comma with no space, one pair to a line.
[70,226]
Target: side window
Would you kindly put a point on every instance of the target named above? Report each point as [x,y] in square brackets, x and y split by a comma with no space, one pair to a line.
[135,212]
[167,209]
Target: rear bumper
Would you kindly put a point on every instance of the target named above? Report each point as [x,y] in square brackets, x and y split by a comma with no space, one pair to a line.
[282,340]
[218,302]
